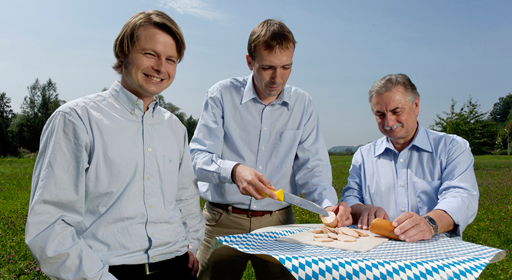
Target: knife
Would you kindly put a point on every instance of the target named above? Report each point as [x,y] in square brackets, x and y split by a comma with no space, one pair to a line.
[299,201]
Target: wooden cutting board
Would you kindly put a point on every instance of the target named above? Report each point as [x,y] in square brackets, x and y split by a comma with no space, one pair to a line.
[362,244]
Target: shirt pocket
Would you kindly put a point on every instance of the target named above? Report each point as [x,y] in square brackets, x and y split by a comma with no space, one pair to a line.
[426,194]
[286,147]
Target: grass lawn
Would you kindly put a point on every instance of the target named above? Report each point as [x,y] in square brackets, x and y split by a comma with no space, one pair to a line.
[492,226]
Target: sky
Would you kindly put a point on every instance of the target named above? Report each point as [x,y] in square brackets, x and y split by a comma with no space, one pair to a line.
[450,50]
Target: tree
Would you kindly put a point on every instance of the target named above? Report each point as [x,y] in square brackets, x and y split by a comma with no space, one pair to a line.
[501,142]
[37,107]
[470,124]
[6,114]
[501,114]
[190,123]
[501,109]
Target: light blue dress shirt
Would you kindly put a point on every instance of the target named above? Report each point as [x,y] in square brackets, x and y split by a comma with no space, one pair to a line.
[434,172]
[282,141]
[111,185]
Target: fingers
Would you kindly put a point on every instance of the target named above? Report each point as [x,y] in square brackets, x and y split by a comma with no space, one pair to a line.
[252,183]
[344,214]
[369,213]
[412,227]
[193,263]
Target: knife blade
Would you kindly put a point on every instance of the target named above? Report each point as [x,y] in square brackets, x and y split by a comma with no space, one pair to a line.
[299,201]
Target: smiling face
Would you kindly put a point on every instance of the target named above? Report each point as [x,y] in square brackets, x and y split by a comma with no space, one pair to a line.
[396,117]
[151,65]
[271,70]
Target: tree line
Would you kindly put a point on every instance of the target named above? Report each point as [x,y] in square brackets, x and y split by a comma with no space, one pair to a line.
[20,132]
[486,132]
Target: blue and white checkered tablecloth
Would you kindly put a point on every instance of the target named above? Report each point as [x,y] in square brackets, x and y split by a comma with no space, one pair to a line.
[438,258]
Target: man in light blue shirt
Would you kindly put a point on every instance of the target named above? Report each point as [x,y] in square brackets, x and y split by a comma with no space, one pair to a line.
[422,180]
[114,195]
[256,134]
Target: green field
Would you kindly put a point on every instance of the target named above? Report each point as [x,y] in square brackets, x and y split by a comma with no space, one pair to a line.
[492,226]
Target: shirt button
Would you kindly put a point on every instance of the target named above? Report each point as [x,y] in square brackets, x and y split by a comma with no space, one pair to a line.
[138,102]
[149,149]
[403,209]
[132,111]
[261,167]
[149,178]
[266,109]
[153,258]
[402,184]
[401,160]
[153,234]
[265,128]
[262,148]
[151,206]
[146,122]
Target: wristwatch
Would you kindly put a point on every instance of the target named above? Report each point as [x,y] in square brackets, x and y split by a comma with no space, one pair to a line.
[432,222]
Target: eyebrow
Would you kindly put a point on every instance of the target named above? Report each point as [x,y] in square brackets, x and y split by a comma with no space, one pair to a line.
[392,110]
[272,65]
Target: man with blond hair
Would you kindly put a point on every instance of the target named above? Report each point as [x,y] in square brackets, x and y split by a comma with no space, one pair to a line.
[257,133]
[113,191]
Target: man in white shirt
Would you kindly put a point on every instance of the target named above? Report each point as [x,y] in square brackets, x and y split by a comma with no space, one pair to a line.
[114,195]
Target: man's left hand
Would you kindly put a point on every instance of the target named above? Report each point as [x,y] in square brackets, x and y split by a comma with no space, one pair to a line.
[412,227]
[193,263]
[342,212]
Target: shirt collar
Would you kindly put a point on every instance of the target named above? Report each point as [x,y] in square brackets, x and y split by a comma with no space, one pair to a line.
[129,101]
[420,140]
[250,93]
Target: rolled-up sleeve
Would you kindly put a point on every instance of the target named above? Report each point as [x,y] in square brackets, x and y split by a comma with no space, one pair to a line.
[206,145]
[458,194]
[352,193]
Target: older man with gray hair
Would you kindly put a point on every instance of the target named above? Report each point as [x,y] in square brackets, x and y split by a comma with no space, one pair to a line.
[421,180]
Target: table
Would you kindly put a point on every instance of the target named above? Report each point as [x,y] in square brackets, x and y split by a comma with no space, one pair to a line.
[439,258]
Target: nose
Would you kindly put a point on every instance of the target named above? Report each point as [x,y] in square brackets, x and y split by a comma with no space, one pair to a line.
[276,74]
[390,121]
[158,65]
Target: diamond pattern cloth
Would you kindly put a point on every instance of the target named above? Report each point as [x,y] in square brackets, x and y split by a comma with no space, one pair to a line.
[439,258]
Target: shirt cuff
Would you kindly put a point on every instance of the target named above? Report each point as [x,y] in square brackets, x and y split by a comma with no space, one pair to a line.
[225,173]
[351,201]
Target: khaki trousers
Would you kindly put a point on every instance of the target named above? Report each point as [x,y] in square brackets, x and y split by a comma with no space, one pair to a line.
[227,263]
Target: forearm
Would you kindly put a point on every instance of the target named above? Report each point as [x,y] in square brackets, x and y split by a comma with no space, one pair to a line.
[209,167]
[193,220]
[444,221]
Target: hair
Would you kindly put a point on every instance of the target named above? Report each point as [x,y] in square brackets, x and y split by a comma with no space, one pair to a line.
[127,38]
[270,34]
[392,81]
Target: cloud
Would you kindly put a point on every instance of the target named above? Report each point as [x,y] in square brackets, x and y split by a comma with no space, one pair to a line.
[193,7]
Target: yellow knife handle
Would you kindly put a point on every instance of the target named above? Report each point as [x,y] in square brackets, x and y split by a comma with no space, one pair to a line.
[279,193]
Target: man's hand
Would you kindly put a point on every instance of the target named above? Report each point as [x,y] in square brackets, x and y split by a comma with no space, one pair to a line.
[193,263]
[251,182]
[366,213]
[412,227]
[342,212]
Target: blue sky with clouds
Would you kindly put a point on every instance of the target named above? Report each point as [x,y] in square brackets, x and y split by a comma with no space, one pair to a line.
[450,49]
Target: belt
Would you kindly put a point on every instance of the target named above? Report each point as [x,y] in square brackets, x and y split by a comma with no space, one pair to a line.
[249,213]
[139,269]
